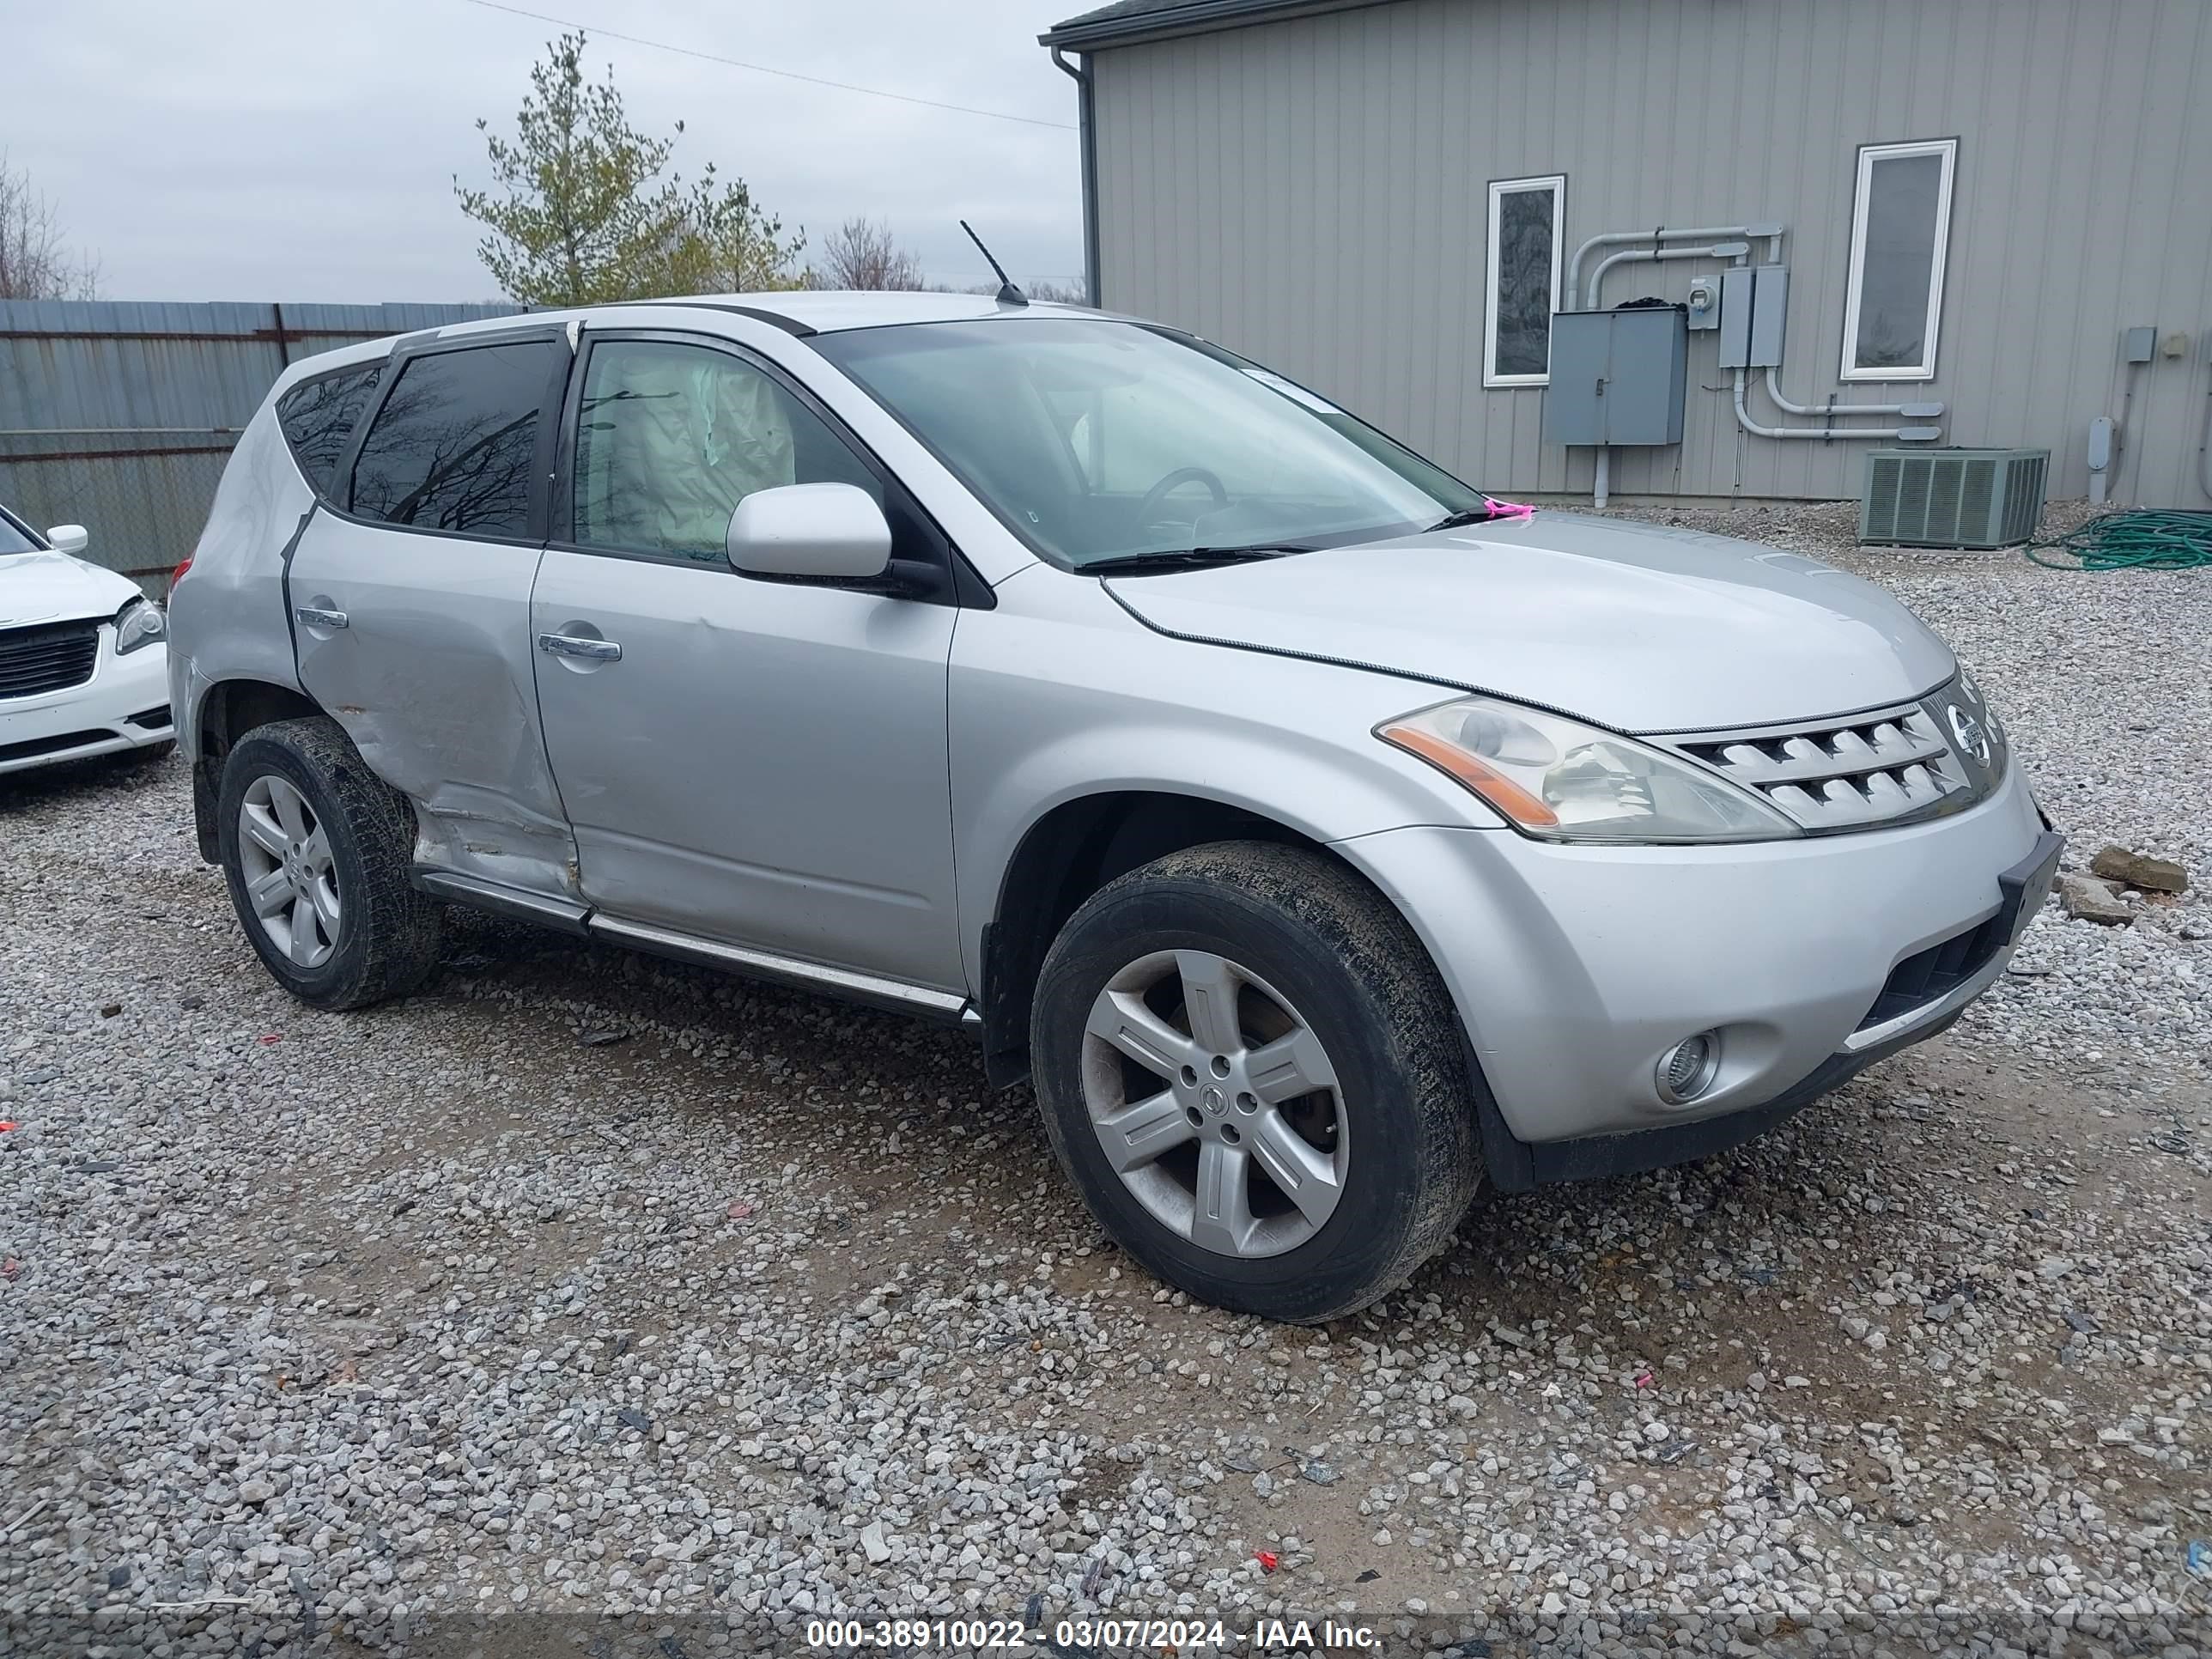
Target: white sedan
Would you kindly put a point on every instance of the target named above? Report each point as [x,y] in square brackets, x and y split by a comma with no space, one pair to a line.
[83,654]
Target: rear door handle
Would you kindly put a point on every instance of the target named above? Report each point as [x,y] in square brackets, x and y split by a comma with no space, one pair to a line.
[315,616]
[569,645]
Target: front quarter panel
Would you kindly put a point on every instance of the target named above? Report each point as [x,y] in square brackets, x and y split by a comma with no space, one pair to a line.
[1059,693]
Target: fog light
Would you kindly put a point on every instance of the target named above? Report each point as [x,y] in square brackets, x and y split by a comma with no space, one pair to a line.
[1686,1070]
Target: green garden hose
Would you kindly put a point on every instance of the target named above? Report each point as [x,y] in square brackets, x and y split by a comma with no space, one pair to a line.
[2133,541]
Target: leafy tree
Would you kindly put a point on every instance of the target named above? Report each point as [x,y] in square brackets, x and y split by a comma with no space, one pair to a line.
[35,263]
[581,211]
[728,244]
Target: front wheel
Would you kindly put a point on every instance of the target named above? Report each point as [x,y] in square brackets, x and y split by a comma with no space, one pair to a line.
[1248,1066]
[318,850]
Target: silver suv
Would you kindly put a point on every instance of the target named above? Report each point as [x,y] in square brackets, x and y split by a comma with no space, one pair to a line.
[1322,838]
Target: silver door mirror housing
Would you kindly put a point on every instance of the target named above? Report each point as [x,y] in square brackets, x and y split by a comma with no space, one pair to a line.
[69,539]
[825,530]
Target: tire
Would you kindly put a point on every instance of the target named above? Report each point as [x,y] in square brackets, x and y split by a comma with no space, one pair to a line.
[387,933]
[1386,1152]
[153,754]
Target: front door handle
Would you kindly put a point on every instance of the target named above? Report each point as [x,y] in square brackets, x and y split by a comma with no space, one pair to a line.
[570,645]
[315,616]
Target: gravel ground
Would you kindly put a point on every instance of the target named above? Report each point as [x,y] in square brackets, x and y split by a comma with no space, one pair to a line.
[584,1302]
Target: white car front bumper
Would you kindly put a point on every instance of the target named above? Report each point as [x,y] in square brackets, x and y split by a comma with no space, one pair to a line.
[123,704]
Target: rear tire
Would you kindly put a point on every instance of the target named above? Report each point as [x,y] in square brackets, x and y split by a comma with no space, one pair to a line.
[1303,1144]
[317,851]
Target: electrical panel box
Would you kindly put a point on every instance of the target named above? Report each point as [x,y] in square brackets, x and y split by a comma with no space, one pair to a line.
[2137,344]
[1617,377]
[1754,306]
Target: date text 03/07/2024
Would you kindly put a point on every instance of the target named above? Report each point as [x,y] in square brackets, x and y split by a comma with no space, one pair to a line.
[1090,1636]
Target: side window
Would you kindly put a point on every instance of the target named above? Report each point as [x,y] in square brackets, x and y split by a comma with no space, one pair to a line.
[451,449]
[671,437]
[1900,226]
[318,418]
[1524,281]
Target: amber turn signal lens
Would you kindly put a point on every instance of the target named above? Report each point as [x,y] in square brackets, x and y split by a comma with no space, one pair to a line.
[1500,791]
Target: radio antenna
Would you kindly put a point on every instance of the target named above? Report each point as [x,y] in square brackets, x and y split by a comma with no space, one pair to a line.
[1009,295]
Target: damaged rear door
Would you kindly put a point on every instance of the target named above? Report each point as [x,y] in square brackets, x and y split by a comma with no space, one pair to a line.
[410,601]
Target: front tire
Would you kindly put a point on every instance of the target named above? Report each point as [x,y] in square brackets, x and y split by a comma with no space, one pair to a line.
[317,851]
[1248,1066]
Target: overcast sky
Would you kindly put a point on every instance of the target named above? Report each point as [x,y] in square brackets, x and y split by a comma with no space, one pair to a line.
[260,150]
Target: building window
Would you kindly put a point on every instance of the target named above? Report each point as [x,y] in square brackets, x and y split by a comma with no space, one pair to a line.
[1900,225]
[1524,280]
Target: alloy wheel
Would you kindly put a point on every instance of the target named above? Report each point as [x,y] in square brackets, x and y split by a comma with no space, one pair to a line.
[1216,1102]
[291,879]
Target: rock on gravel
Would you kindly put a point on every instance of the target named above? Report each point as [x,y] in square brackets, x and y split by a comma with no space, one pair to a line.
[2139,870]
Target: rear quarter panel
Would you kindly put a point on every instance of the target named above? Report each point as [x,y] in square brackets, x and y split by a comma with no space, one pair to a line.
[227,618]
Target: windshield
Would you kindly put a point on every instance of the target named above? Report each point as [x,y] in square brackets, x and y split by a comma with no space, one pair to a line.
[13,537]
[1095,439]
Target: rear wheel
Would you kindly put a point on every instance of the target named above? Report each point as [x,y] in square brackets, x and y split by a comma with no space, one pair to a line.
[1250,1069]
[317,851]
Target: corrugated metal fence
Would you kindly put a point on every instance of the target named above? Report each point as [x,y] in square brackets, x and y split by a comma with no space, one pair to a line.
[119,415]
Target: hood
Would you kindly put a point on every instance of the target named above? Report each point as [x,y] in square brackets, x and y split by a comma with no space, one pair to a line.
[1638,627]
[45,586]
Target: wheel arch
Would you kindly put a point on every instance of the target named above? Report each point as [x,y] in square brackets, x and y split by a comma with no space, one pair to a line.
[227,711]
[1068,853]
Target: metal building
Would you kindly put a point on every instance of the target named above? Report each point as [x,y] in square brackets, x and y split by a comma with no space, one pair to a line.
[2002,207]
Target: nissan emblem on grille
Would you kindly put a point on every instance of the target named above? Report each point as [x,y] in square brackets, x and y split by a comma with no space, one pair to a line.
[1971,738]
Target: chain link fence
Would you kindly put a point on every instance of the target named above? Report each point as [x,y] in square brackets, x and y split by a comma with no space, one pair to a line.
[143,493]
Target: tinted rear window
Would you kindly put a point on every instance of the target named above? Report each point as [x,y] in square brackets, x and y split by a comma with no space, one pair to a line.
[319,416]
[452,445]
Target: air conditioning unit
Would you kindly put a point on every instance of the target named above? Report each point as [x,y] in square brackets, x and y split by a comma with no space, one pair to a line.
[1952,497]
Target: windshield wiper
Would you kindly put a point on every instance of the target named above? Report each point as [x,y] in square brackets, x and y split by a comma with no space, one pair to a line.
[1489,512]
[1188,558]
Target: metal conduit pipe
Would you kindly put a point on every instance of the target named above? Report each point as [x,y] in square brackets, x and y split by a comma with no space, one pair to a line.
[1646,254]
[1657,234]
[1781,402]
[2204,448]
[1743,419]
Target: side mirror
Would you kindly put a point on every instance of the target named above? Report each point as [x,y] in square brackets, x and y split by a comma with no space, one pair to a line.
[69,539]
[820,530]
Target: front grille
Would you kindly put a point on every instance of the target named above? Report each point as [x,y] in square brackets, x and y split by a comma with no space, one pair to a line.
[48,657]
[1931,974]
[1862,772]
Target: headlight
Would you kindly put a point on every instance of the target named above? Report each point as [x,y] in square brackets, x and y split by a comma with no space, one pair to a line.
[139,623]
[1558,779]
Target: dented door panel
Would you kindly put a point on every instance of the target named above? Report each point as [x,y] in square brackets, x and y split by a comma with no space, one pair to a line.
[763,765]
[430,675]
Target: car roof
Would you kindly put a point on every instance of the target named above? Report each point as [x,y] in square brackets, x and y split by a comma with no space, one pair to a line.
[799,311]
[802,311]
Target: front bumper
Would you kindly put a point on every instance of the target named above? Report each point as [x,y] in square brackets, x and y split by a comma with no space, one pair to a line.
[123,706]
[1576,968]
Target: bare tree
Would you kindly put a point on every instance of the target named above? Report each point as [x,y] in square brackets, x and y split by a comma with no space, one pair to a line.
[861,254]
[35,260]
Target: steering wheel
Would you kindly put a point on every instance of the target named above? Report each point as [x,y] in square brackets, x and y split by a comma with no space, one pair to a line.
[1175,480]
